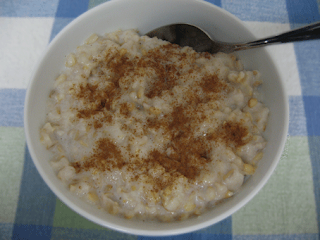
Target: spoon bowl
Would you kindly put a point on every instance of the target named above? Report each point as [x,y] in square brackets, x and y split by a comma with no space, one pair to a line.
[200,41]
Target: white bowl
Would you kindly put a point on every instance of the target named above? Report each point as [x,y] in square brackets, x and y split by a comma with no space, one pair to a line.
[146,15]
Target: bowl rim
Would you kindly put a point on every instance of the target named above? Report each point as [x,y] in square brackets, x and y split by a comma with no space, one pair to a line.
[111,225]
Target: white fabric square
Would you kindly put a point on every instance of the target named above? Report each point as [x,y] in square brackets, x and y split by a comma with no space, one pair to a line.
[22,41]
[283,55]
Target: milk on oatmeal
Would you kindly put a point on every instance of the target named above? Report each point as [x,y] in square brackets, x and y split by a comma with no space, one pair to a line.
[147,129]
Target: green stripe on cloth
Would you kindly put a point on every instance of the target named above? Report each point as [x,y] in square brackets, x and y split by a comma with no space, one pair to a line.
[65,217]
[275,209]
[68,223]
[12,143]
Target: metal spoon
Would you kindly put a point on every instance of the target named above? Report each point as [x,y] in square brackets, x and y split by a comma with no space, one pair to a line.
[188,35]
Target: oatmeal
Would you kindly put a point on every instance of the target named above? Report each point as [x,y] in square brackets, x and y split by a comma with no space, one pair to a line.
[143,128]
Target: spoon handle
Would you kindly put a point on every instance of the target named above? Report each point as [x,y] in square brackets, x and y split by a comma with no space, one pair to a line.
[308,32]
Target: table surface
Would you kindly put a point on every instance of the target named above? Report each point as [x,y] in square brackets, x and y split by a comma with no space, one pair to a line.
[286,208]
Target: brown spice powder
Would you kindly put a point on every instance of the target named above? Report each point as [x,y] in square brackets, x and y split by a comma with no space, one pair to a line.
[212,83]
[189,154]
[106,156]
[94,99]
[234,134]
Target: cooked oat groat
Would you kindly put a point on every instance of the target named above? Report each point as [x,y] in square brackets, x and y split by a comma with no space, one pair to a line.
[150,130]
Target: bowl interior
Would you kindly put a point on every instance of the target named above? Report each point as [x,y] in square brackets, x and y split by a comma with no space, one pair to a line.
[145,16]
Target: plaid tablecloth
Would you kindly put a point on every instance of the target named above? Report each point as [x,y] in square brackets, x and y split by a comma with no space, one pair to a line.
[288,207]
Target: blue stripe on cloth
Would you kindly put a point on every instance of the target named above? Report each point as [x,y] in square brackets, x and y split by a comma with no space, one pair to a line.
[305,236]
[36,203]
[85,234]
[303,11]
[11,107]
[31,232]
[268,11]
[308,61]
[314,149]
[312,111]
[215,2]
[30,8]
[71,8]
[6,231]
[58,25]
[297,124]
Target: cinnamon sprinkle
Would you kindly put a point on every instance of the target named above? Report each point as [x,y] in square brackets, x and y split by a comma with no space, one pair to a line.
[106,157]
[189,154]
[212,83]
[234,134]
